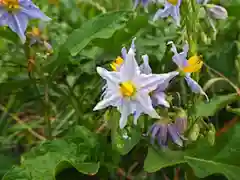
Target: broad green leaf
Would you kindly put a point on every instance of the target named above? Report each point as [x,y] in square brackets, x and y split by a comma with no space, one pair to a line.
[51,157]
[125,141]
[205,109]
[157,159]
[102,27]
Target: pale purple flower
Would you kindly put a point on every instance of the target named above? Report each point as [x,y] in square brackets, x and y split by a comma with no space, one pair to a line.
[158,96]
[180,59]
[164,132]
[170,9]
[16,14]
[128,90]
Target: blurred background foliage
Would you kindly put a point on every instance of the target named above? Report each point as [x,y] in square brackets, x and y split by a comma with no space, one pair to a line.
[63,88]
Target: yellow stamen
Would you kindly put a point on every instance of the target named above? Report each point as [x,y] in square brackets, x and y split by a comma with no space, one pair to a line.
[195,63]
[173,2]
[127,88]
[36,31]
[118,62]
[10,4]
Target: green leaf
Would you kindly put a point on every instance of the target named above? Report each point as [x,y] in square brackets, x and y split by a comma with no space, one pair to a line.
[123,140]
[157,159]
[51,157]
[102,26]
[205,109]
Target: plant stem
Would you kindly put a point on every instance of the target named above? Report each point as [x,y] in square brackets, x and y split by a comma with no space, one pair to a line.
[46,111]
[224,77]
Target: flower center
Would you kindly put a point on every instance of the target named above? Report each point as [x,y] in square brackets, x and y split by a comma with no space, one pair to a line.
[116,64]
[195,63]
[127,89]
[173,2]
[11,5]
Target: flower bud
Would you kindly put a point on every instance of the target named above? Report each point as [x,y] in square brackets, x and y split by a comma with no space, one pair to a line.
[181,121]
[211,137]
[194,133]
[216,11]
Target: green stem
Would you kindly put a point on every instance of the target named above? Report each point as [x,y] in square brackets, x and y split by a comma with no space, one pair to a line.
[46,113]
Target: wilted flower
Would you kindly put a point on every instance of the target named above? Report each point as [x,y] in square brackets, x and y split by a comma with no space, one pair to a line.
[128,89]
[36,36]
[171,8]
[216,11]
[17,13]
[193,64]
[163,131]
[158,96]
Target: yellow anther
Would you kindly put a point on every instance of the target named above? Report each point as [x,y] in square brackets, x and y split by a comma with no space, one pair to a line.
[173,2]
[117,63]
[10,4]
[127,89]
[195,63]
[36,31]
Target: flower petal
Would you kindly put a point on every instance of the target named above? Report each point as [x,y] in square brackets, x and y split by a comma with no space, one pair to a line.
[180,59]
[32,11]
[136,2]
[154,132]
[160,99]
[162,13]
[18,24]
[195,87]
[112,100]
[176,15]
[129,68]
[152,81]
[124,53]
[144,67]
[162,135]
[113,78]
[125,110]
[174,134]
[145,103]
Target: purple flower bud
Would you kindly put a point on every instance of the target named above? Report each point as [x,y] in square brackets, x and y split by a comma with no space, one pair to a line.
[216,11]
[181,125]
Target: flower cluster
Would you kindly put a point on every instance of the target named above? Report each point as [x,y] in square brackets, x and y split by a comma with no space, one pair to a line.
[134,89]
[16,14]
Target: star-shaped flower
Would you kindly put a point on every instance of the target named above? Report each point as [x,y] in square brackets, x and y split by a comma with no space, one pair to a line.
[128,89]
